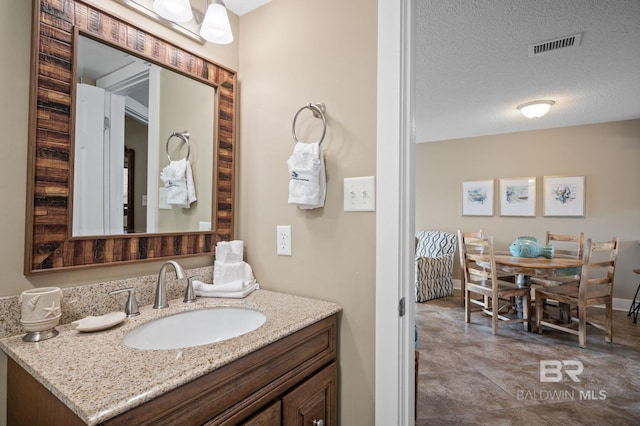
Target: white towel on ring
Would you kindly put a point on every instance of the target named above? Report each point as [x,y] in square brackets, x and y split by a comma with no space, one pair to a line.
[307,176]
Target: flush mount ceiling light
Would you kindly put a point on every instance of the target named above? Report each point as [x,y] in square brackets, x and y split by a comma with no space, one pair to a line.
[173,10]
[215,26]
[535,109]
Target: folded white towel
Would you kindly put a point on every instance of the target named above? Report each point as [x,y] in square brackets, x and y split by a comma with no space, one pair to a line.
[307,176]
[222,249]
[236,290]
[228,257]
[225,273]
[229,251]
[237,247]
[178,182]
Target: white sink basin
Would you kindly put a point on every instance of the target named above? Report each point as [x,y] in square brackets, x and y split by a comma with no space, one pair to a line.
[194,328]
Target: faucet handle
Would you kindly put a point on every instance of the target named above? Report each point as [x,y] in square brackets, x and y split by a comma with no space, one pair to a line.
[131,308]
[189,293]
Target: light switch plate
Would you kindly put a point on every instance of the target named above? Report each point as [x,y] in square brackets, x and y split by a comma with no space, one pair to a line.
[360,194]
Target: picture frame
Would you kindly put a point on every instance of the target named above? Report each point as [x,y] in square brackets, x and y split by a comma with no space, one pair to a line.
[518,196]
[477,198]
[564,196]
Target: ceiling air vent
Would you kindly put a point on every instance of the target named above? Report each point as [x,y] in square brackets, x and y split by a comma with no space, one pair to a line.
[573,40]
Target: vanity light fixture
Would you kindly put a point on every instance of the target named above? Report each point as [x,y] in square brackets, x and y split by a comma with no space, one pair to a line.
[535,109]
[215,26]
[173,10]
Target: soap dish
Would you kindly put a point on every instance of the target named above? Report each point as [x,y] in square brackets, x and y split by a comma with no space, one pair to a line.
[102,322]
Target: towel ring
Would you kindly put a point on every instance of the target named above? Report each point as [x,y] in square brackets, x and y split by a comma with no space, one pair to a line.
[185,138]
[318,111]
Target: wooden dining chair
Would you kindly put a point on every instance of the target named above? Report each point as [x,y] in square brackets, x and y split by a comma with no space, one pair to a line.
[480,277]
[595,288]
[568,246]
[461,235]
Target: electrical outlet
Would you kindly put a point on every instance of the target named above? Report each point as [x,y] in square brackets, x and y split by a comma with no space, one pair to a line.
[283,236]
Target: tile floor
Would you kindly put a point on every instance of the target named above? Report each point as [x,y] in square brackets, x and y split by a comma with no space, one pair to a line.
[468,376]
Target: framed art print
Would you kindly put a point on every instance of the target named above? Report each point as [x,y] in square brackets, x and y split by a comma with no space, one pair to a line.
[564,196]
[477,198]
[518,197]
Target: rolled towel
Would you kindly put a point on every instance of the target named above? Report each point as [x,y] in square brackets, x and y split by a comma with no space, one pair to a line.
[233,290]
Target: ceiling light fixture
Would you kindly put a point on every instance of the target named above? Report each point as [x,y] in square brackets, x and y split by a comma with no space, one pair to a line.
[173,10]
[535,109]
[215,26]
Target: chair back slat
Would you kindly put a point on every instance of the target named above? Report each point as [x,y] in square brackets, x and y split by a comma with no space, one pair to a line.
[571,246]
[596,272]
[475,254]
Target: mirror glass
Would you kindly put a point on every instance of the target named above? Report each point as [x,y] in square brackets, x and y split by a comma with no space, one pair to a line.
[127,110]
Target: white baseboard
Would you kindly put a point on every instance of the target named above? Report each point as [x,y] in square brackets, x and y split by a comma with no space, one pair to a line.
[618,304]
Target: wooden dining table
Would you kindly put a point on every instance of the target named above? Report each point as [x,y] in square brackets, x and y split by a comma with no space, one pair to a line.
[532,266]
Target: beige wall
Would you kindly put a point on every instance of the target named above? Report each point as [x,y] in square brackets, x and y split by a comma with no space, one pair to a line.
[295,52]
[292,53]
[607,154]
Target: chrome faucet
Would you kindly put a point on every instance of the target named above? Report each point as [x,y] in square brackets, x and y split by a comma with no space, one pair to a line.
[161,291]
[131,308]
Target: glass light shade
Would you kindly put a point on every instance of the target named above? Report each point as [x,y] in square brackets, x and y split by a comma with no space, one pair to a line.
[215,26]
[173,10]
[535,109]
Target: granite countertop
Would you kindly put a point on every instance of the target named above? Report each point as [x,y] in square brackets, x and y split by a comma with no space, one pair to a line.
[98,377]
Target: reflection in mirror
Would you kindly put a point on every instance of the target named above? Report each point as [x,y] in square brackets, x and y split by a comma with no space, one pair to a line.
[126,110]
[50,245]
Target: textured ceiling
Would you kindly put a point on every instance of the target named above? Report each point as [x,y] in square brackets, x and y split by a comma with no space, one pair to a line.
[473,66]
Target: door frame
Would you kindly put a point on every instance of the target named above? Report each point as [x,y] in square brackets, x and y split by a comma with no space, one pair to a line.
[395,252]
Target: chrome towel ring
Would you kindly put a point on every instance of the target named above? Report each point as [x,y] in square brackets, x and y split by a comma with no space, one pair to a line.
[318,111]
[185,139]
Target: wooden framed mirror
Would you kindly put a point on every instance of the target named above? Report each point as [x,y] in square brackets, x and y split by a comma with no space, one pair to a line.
[49,244]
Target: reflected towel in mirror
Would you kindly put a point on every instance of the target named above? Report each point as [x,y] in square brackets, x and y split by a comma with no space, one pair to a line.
[178,182]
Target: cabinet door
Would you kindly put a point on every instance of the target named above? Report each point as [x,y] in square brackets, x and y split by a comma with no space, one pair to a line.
[313,403]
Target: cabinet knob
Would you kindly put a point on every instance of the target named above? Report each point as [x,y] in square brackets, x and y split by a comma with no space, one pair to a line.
[318,422]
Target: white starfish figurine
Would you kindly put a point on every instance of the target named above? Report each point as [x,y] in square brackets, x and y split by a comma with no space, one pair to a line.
[52,311]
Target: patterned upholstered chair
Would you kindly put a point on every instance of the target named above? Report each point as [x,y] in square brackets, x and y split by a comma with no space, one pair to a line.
[434,264]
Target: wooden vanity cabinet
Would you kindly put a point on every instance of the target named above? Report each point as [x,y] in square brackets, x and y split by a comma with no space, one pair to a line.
[313,403]
[292,381]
